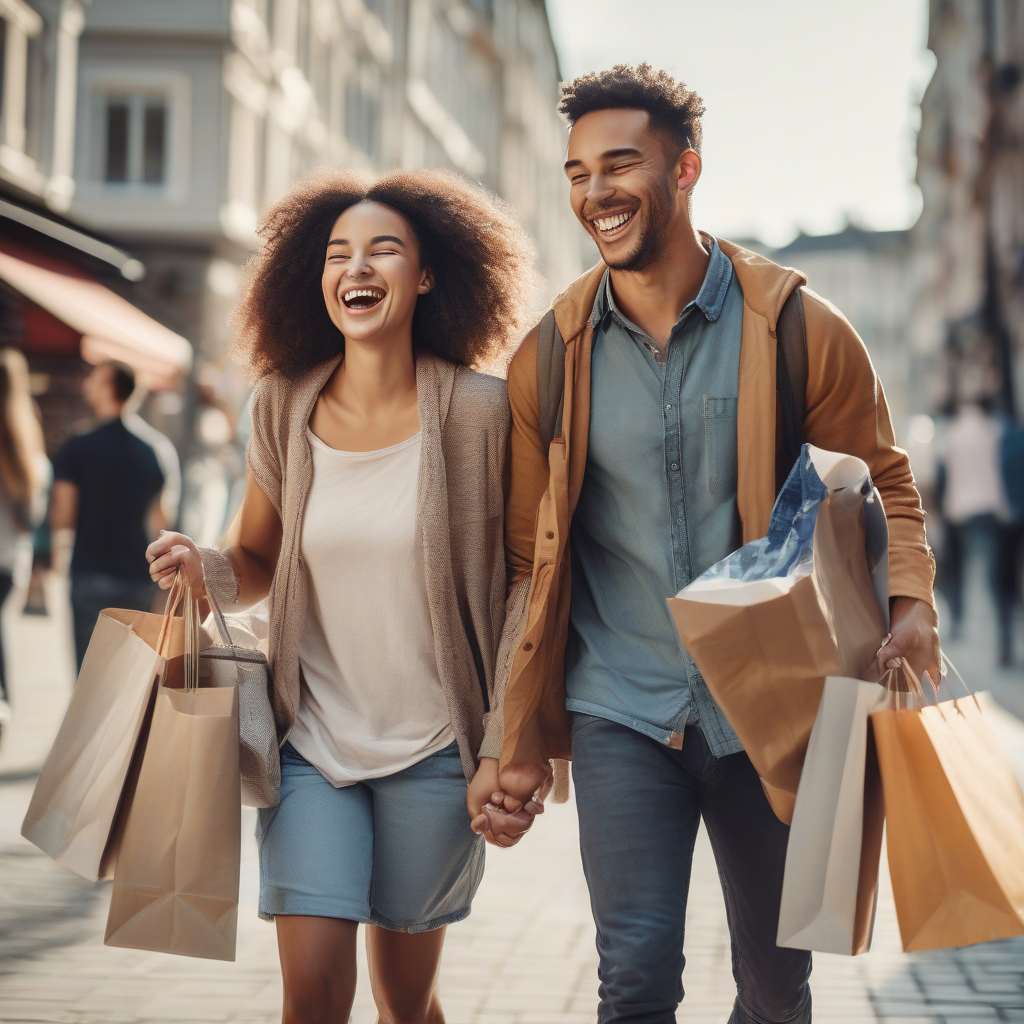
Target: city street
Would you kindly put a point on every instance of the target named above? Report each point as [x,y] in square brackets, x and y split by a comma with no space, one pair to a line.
[525,956]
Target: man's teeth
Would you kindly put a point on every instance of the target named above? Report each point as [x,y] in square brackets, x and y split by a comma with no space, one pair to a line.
[608,223]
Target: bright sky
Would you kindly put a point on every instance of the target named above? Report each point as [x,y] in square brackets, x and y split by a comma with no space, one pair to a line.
[811,104]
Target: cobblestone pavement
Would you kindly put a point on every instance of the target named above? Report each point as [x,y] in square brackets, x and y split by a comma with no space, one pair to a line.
[525,956]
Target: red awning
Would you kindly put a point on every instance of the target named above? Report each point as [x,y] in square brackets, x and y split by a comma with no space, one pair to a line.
[110,326]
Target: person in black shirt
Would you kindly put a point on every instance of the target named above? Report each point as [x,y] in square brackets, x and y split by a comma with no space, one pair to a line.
[106,490]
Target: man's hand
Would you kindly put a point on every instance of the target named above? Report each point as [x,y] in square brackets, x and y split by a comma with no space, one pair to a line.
[500,819]
[914,629]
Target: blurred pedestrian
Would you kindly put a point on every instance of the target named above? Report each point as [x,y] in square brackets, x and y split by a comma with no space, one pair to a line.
[975,513]
[105,507]
[23,472]
[1010,560]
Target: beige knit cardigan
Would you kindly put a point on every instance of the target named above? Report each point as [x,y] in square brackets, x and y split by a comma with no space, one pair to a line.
[464,419]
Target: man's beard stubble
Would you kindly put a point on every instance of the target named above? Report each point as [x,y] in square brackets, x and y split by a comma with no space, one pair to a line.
[652,234]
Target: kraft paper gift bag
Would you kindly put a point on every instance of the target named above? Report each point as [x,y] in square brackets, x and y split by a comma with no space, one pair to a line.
[830,884]
[955,826]
[176,883]
[89,772]
[767,624]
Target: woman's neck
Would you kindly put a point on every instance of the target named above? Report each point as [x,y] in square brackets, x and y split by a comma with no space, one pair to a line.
[370,400]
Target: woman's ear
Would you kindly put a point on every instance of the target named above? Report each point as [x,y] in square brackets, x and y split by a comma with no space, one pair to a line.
[426,281]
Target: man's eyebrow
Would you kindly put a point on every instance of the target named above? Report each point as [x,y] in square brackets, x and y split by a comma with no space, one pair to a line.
[609,154]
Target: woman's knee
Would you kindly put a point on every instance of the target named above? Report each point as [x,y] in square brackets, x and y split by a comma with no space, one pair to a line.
[318,967]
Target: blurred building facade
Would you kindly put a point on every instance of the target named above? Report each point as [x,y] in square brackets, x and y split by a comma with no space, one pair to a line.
[194,115]
[161,131]
[969,313]
[869,275]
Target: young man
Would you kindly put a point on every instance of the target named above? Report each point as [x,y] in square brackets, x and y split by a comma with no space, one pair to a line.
[664,464]
[105,497]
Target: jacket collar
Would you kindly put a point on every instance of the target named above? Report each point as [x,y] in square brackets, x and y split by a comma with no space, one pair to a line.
[765,286]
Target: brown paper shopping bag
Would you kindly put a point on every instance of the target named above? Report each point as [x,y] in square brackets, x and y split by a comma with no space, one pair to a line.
[89,772]
[176,883]
[767,624]
[955,826]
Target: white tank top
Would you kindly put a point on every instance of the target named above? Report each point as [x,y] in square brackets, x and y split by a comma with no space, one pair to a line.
[372,702]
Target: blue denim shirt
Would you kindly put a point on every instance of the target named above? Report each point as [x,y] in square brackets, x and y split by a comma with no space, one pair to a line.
[657,508]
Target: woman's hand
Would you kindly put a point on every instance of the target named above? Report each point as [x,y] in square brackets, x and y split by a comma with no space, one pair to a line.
[173,551]
[488,813]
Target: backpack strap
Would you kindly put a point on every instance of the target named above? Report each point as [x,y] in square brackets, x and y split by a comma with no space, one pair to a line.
[550,378]
[790,382]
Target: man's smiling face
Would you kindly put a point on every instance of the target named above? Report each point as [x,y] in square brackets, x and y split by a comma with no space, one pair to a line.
[623,186]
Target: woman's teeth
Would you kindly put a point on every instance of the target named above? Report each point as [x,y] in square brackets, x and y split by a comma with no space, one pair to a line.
[611,223]
[363,298]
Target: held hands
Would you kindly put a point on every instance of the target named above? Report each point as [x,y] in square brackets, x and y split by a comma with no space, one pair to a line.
[168,553]
[498,816]
[914,635]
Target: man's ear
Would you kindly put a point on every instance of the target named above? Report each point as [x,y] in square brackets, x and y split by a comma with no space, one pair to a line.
[426,281]
[688,168]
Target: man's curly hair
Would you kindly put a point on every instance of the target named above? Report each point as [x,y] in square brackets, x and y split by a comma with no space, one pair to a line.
[481,258]
[671,107]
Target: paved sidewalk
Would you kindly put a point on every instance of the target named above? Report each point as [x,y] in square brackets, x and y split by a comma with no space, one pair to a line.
[525,956]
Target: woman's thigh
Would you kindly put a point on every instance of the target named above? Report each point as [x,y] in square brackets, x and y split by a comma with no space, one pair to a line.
[316,846]
[427,861]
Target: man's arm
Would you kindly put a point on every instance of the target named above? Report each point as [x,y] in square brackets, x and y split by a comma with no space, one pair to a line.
[528,460]
[847,412]
[63,522]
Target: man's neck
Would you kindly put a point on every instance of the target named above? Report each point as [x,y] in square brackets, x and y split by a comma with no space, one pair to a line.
[107,413]
[654,297]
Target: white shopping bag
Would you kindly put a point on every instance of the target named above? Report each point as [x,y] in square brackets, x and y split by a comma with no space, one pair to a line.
[835,841]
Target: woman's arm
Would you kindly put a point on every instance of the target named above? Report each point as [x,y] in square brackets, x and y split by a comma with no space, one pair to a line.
[254,544]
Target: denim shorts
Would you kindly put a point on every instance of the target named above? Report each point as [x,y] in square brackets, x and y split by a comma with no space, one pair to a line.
[396,851]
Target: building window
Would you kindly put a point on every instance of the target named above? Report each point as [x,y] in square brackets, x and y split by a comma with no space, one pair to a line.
[136,140]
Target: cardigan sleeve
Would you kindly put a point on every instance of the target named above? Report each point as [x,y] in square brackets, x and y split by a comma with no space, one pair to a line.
[268,441]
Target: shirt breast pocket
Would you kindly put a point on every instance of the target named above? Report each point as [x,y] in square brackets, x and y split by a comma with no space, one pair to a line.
[720,446]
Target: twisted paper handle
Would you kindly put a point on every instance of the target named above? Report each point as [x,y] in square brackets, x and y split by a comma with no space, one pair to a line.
[181,594]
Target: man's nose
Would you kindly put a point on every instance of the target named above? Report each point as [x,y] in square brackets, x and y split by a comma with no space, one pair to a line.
[599,189]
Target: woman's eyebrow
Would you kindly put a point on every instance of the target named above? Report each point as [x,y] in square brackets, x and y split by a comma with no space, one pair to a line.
[376,240]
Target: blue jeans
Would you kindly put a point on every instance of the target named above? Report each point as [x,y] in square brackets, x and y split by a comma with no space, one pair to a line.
[640,804]
[91,592]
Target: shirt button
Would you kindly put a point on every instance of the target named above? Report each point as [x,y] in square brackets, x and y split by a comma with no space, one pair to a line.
[527,646]
[675,465]
[549,535]
[679,521]
[669,406]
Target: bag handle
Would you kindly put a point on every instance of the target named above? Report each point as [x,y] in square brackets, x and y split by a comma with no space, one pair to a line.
[181,594]
[914,695]
[218,617]
[946,663]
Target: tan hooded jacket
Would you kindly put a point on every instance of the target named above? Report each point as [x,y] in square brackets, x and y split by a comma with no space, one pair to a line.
[846,411]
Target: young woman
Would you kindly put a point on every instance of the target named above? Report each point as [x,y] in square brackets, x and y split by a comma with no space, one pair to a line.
[23,472]
[373,519]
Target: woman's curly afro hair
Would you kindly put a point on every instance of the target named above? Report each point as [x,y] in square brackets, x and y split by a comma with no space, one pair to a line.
[481,258]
